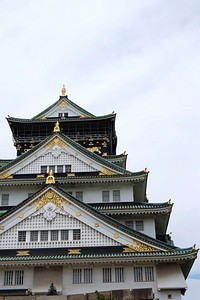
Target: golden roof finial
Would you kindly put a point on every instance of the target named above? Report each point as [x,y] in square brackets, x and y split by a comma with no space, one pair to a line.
[56,127]
[63,91]
[50,178]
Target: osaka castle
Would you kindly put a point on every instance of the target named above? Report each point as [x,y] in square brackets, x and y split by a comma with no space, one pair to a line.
[75,223]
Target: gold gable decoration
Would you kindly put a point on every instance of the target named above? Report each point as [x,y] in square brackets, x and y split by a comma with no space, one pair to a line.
[107,172]
[50,196]
[139,247]
[56,142]
[50,178]
[5,175]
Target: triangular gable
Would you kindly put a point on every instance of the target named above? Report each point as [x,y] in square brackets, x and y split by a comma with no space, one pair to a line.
[65,107]
[59,150]
[52,209]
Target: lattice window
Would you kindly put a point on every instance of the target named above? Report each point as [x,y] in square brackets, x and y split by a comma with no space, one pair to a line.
[34,236]
[22,236]
[54,235]
[79,195]
[107,275]
[12,277]
[116,195]
[129,224]
[139,225]
[149,273]
[138,274]
[77,275]
[5,199]
[119,274]
[43,169]
[64,235]
[105,196]
[60,169]
[68,168]
[44,235]
[87,275]
[76,234]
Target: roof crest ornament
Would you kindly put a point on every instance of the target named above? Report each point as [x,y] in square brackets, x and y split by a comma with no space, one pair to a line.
[63,91]
[56,127]
[50,178]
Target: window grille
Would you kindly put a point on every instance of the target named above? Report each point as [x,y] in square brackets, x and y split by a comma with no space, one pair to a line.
[68,168]
[79,195]
[76,234]
[5,199]
[60,115]
[34,236]
[139,225]
[54,235]
[149,274]
[22,236]
[107,275]
[105,196]
[76,275]
[129,224]
[14,277]
[43,169]
[119,274]
[87,275]
[116,195]
[59,169]
[138,274]
[52,168]
[64,235]
[44,235]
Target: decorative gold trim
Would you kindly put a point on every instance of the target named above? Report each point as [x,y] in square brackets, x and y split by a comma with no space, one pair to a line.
[20,215]
[106,171]
[116,235]
[52,197]
[50,178]
[70,174]
[78,214]
[23,253]
[2,227]
[5,175]
[56,127]
[40,176]
[94,149]
[63,103]
[74,251]
[83,116]
[96,225]
[139,247]
[63,91]
[56,142]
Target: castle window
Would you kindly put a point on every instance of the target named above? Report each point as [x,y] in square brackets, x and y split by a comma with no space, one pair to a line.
[149,274]
[138,274]
[59,169]
[129,224]
[139,225]
[44,235]
[79,195]
[22,236]
[105,196]
[107,275]
[64,235]
[60,115]
[68,168]
[34,236]
[87,275]
[52,168]
[119,274]
[5,199]
[116,195]
[76,234]
[77,275]
[14,277]
[143,273]
[43,169]
[54,235]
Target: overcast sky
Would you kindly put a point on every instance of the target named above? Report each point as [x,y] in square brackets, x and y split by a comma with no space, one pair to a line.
[139,58]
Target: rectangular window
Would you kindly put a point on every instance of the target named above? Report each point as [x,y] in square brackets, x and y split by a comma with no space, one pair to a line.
[65,115]
[5,199]
[59,169]
[129,224]
[14,277]
[19,277]
[79,195]
[119,274]
[105,196]
[76,234]
[44,169]
[34,236]
[8,278]
[116,195]
[149,274]
[76,275]
[60,115]
[22,236]
[68,168]
[52,168]
[139,225]
[64,235]
[54,235]
[107,275]
[44,235]
[87,275]
[138,275]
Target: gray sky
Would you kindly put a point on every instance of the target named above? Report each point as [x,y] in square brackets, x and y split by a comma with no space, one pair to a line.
[139,58]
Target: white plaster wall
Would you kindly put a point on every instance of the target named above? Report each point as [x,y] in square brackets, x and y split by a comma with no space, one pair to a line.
[164,295]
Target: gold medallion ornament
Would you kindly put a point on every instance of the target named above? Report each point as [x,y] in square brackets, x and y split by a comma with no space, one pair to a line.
[74,251]
[56,127]
[23,253]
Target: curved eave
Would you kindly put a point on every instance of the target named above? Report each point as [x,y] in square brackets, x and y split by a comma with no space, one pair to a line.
[12,120]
